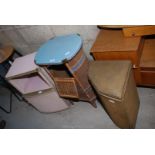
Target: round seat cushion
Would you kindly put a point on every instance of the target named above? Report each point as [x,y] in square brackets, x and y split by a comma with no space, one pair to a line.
[58,49]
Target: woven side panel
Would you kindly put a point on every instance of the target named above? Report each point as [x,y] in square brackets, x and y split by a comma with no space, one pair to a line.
[66,87]
[78,66]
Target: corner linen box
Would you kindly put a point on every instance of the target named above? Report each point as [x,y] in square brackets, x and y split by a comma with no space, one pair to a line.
[36,86]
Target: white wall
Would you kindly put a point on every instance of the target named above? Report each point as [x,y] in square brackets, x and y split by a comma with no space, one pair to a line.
[28,38]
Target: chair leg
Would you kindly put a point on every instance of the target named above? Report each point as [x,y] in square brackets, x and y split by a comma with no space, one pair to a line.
[10,105]
[12,89]
[2,124]
[18,53]
[15,92]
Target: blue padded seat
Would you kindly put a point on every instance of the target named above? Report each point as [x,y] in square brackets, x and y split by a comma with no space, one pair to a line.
[58,49]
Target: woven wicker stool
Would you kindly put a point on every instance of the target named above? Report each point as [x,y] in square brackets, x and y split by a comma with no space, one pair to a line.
[114,83]
[68,66]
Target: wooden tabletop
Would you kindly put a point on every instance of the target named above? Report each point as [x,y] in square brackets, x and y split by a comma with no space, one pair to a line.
[113,40]
[117,26]
[5,53]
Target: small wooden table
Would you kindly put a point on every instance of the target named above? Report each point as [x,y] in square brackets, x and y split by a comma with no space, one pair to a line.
[5,53]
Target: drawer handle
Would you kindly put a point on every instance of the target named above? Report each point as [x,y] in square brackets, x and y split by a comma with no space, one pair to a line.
[111,101]
[40,92]
[134,66]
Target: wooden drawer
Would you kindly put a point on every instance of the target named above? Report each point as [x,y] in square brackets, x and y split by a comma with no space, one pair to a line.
[132,30]
[147,63]
[139,30]
[112,45]
[148,54]
[148,78]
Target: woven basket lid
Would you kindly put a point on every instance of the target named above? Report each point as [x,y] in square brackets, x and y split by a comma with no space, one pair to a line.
[109,78]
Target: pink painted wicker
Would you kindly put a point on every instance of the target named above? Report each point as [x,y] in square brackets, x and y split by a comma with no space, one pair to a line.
[47,101]
[34,83]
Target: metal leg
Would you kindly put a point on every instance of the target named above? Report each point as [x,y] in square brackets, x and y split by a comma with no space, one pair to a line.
[12,89]
[10,105]
[12,92]
[18,53]
[6,65]
[2,124]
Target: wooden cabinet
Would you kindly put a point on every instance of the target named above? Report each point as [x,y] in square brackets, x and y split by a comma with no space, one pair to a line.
[147,63]
[113,45]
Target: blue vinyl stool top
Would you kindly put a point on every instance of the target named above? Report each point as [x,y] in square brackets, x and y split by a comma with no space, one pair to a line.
[58,49]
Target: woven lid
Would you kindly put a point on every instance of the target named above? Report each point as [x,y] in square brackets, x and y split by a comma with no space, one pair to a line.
[109,77]
[58,49]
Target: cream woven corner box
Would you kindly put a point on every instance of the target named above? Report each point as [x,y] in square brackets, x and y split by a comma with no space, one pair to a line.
[115,86]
